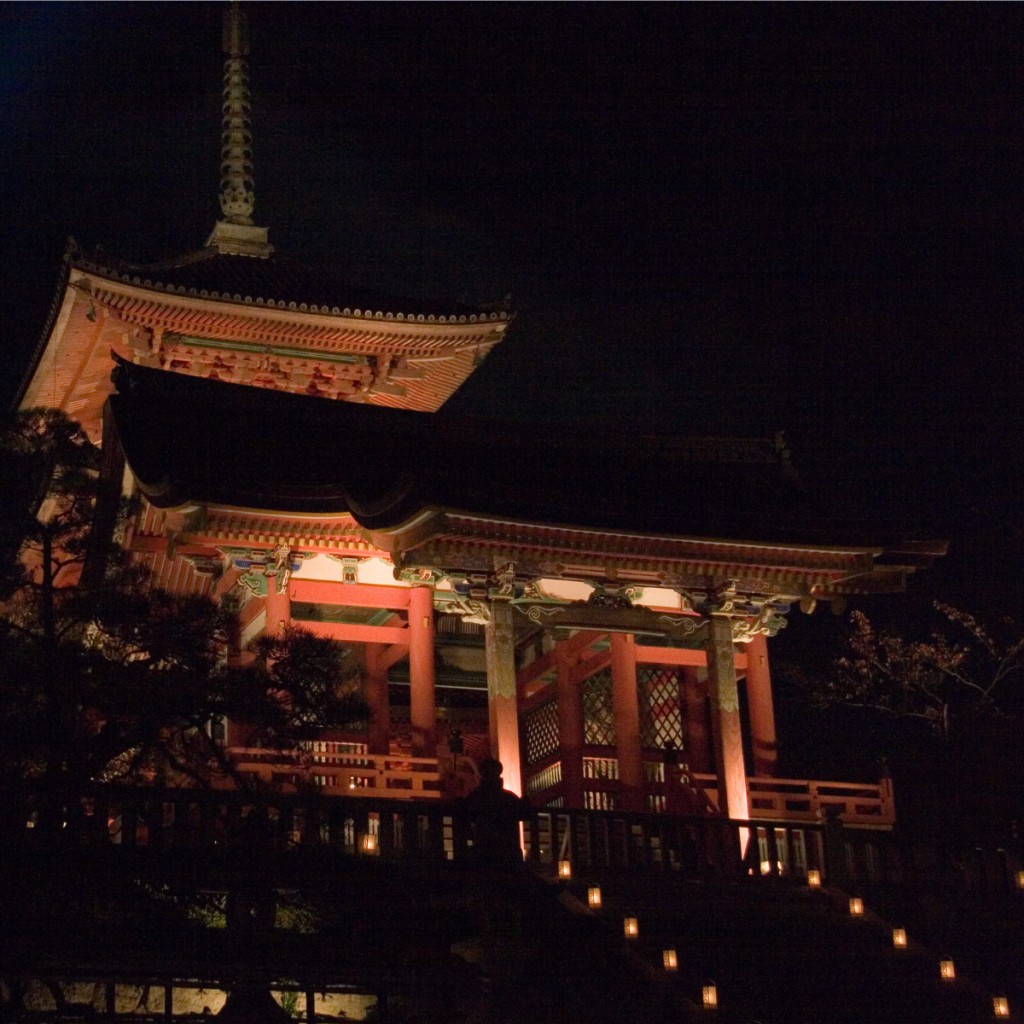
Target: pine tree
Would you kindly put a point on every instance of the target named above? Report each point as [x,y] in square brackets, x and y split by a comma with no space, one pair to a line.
[104,677]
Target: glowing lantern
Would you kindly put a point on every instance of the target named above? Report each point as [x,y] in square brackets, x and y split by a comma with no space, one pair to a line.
[564,869]
[899,938]
[369,843]
[710,996]
[814,877]
[766,866]
[946,970]
[1020,879]
[630,927]
[856,906]
[668,958]
[1000,1007]
[594,896]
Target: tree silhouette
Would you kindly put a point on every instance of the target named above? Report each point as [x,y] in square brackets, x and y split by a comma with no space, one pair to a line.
[104,677]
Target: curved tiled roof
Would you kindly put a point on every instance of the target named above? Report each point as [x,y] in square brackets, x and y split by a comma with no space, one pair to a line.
[190,440]
[277,282]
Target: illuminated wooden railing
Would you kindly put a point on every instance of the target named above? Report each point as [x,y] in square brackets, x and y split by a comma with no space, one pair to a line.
[149,821]
[196,827]
[336,770]
[154,819]
[770,799]
[858,803]
[695,847]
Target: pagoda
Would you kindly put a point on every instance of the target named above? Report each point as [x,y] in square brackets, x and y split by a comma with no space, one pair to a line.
[593,611]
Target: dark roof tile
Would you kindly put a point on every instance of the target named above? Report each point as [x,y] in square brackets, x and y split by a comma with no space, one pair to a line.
[192,440]
[276,277]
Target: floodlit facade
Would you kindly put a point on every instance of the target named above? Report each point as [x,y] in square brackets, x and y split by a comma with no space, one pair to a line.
[593,611]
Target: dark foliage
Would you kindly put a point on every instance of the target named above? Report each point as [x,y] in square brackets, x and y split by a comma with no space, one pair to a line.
[104,677]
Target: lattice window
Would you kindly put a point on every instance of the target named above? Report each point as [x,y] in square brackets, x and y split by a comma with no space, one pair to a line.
[541,728]
[550,776]
[598,717]
[661,717]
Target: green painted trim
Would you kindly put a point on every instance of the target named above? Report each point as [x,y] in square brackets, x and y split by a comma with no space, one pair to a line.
[285,351]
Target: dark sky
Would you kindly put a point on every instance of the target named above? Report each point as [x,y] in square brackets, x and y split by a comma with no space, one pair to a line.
[713,218]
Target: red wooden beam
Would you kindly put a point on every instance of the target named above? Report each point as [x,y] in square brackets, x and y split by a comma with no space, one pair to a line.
[158,545]
[391,656]
[227,581]
[535,669]
[354,594]
[588,666]
[250,610]
[680,656]
[574,647]
[354,633]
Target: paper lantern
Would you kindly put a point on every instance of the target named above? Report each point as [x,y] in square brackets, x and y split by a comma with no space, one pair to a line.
[630,927]
[710,996]
[856,906]
[947,970]
[668,958]
[814,877]
[564,869]
[899,938]
[594,896]
[1000,1007]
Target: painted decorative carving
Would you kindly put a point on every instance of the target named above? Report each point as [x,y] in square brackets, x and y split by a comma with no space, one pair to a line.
[553,569]
[255,582]
[470,610]
[500,643]
[687,625]
[540,612]
[203,565]
[505,573]
[281,566]
[604,598]
[767,622]
[722,665]
[723,599]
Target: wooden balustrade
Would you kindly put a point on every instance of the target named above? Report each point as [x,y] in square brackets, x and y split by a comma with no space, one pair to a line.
[335,771]
[770,799]
[161,819]
[147,822]
[694,847]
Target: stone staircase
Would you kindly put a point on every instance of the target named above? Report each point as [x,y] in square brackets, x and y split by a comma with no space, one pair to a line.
[781,953]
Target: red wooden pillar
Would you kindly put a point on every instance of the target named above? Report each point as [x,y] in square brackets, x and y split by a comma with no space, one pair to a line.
[697,749]
[570,728]
[725,718]
[762,710]
[626,708]
[279,607]
[377,700]
[423,711]
[502,698]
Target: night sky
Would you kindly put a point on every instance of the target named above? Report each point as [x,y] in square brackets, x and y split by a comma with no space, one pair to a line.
[712,218]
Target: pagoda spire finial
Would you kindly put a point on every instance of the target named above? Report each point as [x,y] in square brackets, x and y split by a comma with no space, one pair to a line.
[236,232]
[237,197]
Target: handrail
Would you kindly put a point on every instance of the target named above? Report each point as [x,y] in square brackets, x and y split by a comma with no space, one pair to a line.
[398,776]
[770,799]
[148,820]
